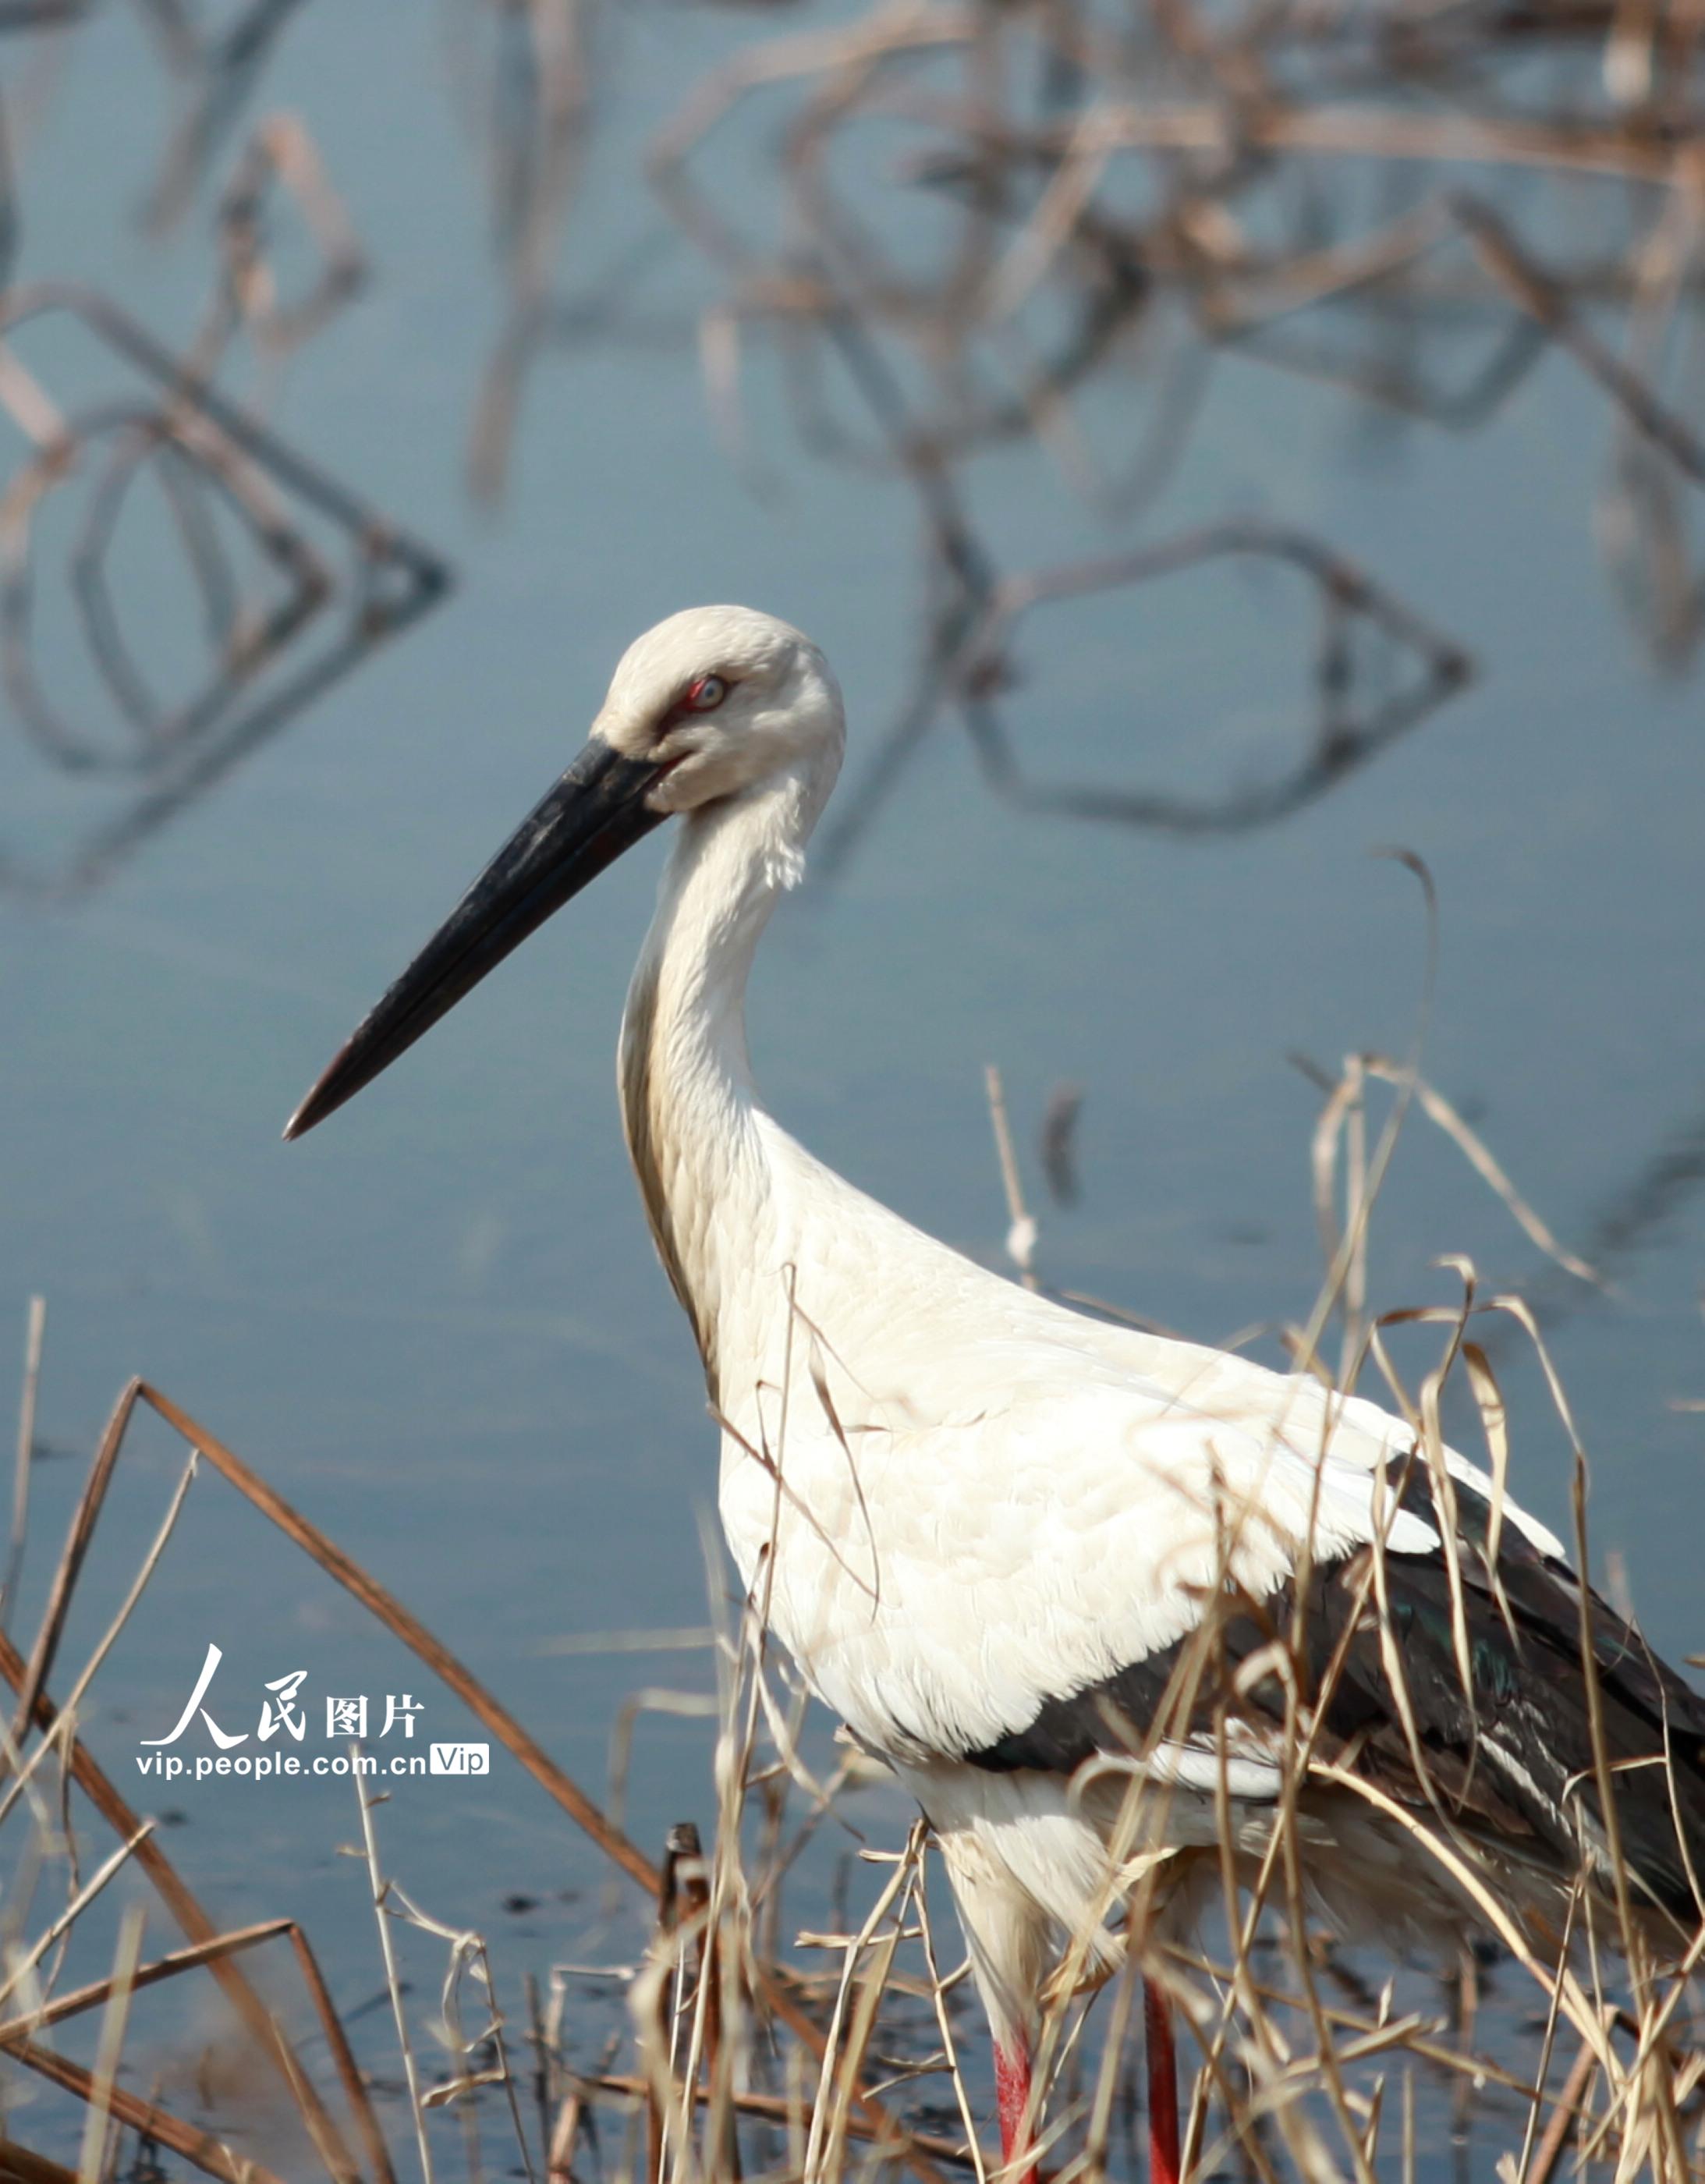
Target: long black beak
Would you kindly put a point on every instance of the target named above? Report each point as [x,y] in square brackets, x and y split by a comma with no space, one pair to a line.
[595,811]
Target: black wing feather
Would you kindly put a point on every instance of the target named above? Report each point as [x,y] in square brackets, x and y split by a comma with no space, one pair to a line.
[1513,1751]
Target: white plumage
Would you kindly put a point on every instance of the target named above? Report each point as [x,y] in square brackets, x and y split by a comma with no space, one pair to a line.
[970,1510]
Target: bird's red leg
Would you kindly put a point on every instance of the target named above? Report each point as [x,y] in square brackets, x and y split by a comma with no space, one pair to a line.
[1163,2087]
[1011,2100]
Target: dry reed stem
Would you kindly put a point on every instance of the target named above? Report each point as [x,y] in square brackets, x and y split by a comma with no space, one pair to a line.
[209,2154]
[84,1518]
[90,1997]
[469,1956]
[54,2010]
[22,1775]
[20,2166]
[777,2108]
[21,1963]
[944,2026]
[91,2167]
[33,1340]
[1549,2151]
[560,2160]
[380,1889]
[1021,1233]
[1449,1120]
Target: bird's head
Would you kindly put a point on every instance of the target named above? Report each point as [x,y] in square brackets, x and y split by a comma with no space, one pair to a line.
[712,705]
[719,700]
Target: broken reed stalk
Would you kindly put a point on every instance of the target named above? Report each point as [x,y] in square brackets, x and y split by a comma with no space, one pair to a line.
[90,1997]
[20,2166]
[146,2118]
[55,2010]
[21,1783]
[84,1518]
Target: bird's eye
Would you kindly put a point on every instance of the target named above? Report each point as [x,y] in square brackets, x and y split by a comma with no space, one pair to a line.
[706,693]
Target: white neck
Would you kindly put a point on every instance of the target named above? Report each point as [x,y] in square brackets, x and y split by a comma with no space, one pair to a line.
[689,1105]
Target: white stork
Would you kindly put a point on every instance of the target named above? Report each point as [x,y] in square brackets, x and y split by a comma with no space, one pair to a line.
[988,1528]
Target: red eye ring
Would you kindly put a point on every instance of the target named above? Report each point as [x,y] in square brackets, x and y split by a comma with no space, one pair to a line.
[705,694]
